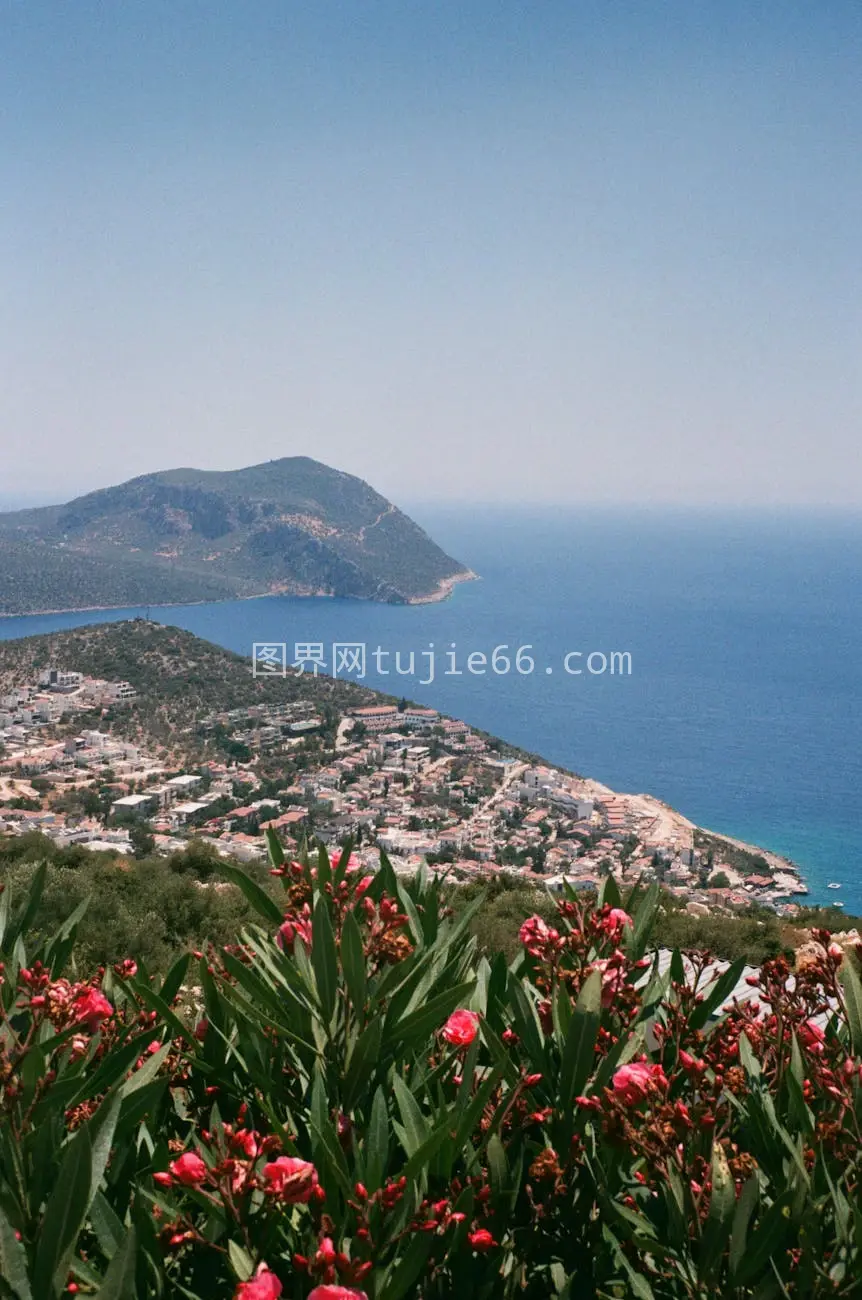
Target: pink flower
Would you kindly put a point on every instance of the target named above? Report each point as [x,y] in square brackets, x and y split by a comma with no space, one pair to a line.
[812,1037]
[326,1253]
[292,928]
[189,1169]
[90,1008]
[363,885]
[536,935]
[336,1293]
[690,1064]
[246,1141]
[616,921]
[263,1286]
[481,1239]
[633,1083]
[290,1179]
[461,1028]
[613,978]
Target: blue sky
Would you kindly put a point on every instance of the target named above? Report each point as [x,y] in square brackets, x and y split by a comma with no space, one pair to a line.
[554,251]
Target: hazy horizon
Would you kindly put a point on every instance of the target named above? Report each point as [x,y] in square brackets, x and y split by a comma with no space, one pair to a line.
[420,508]
[583,253]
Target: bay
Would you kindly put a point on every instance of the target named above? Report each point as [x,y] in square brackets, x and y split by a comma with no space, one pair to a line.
[742,708]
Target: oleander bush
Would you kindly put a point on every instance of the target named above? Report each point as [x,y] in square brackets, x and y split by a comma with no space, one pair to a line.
[351,1101]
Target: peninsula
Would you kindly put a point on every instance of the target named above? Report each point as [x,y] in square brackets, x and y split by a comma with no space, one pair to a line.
[112,728]
[287,527]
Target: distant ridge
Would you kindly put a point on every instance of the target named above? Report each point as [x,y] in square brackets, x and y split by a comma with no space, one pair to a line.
[291,526]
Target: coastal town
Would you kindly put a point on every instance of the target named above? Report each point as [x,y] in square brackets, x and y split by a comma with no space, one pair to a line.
[406,780]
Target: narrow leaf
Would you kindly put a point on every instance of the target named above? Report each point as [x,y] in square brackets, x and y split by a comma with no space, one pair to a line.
[579,1049]
[257,897]
[64,1215]
[119,1283]
[13,1261]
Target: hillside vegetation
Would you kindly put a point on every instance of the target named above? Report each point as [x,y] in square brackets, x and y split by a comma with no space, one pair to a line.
[349,1102]
[179,677]
[291,525]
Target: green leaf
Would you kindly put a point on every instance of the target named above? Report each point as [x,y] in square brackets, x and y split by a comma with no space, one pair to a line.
[255,896]
[156,1003]
[324,958]
[113,1067]
[362,1060]
[562,1009]
[745,1208]
[64,1216]
[411,1263]
[241,1262]
[148,1071]
[723,1199]
[174,979]
[377,1142]
[724,985]
[34,898]
[526,1023]
[5,906]
[770,1240]
[677,967]
[324,868]
[119,1283]
[412,914]
[427,1150]
[276,852]
[13,1261]
[722,1203]
[637,937]
[797,1111]
[498,1167]
[609,893]
[852,987]
[343,861]
[638,1285]
[322,1128]
[102,1127]
[579,1049]
[415,1125]
[353,961]
[54,948]
[106,1225]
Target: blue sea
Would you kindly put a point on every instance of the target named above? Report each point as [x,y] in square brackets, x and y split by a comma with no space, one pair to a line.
[742,708]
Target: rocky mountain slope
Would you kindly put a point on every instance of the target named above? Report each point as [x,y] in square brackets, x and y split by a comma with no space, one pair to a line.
[290,526]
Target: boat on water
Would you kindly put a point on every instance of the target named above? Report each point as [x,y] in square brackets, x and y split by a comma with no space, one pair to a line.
[833,885]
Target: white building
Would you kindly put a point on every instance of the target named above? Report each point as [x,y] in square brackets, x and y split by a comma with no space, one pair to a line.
[139,805]
[184,784]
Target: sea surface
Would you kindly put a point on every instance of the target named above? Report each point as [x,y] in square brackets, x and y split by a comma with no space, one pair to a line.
[742,708]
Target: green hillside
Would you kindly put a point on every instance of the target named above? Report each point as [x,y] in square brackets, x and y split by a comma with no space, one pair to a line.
[290,526]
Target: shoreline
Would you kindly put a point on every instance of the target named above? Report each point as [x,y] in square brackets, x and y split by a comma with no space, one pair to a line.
[445,587]
[776,861]
[442,592]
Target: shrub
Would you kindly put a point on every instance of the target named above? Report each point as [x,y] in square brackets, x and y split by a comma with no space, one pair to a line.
[352,1100]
